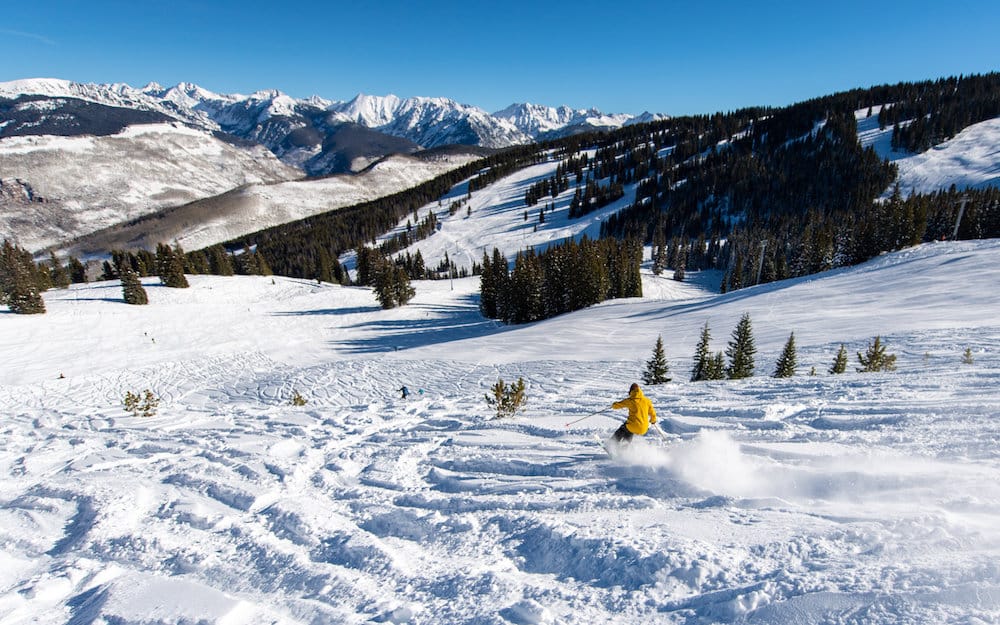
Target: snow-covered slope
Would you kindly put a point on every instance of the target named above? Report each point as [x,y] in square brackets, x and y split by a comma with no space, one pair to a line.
[91,182]
[495,217]
[969,160]
[858,498]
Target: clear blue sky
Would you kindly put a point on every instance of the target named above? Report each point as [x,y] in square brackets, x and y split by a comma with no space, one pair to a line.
[667,57]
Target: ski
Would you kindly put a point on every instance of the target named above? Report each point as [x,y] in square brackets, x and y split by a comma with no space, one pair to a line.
[604,445]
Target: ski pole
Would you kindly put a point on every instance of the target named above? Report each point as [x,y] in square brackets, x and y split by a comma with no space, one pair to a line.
[588,416]
[660,431]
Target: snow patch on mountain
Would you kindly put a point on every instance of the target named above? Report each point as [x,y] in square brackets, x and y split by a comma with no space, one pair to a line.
[537,120]
[427,121]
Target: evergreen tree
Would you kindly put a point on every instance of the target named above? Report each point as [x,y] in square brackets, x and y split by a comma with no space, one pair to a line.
[132,289]
[716,368]
[170,266]
[702,356]
[263,268]
[391,284]
[246,262]
[384,282]
[659,251]
[657,370]
[501,279]
[967,358]
[219,261]
[58,274]
[324,266]
[840,362]
[785,367]
[507,398]
[875,359]
[680,262]
[402,290]
[488,289]
[741,350]
[108,272]
[18,284]
[77,272]
[197,263]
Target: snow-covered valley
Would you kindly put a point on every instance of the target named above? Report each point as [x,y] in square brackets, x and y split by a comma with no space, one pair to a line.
[854,498]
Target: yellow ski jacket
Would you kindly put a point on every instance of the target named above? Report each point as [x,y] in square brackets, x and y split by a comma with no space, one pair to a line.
[640,411]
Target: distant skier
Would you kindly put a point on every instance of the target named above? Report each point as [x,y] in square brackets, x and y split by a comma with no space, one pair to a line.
[640,415]
[405,392]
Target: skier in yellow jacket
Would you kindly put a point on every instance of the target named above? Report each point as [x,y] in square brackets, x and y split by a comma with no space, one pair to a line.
[640,415]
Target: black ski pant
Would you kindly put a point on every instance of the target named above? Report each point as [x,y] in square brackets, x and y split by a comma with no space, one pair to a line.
[622,434]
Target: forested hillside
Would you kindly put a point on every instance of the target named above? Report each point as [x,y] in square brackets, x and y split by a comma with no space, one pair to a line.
[763,193]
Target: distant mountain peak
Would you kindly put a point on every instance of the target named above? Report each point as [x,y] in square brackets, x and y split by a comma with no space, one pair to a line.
[296,129]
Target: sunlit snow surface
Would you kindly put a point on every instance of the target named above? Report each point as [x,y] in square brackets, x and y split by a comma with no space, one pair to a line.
[859,498]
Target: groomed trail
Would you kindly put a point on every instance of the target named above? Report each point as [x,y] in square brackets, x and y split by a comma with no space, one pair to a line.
[858,498]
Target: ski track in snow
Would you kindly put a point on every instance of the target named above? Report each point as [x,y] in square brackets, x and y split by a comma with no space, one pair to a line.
[344,510]
[862,498]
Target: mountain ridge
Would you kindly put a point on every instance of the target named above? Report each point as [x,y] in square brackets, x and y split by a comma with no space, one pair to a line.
[427,121]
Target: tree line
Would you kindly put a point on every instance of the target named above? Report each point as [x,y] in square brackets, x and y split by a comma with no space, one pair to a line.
[739,359]
[566,277]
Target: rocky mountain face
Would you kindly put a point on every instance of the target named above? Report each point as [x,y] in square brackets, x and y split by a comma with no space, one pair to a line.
[305,133]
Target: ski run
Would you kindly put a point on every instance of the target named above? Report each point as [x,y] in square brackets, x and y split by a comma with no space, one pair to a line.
[853,498]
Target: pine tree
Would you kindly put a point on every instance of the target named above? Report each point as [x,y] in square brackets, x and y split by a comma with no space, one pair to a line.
[741,350]
[785,367]
[716,368]
[967,358]
[402,290]
[77,272]
[18,286]
[170,266]
[659,251]
[657,369]
[60,277]
[840,362]
[487,289]
[384,282]
[132,289]
[680,262]
[391,284]
[507,398]
[875,359]
[702,357]
[219,261]
[324,266]
[263,268]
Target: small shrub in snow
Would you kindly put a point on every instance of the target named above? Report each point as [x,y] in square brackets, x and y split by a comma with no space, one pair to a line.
[145,405]
[875,359]
[967,356]
[507,399]
[840,362]
[298,399]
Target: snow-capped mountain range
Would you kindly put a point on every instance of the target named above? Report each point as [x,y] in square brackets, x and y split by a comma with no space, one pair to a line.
[299,131]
